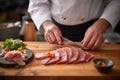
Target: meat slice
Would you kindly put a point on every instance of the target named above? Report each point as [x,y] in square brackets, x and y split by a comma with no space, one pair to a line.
[88,56]
[82,56]
[75,55]
[9,55]
[45,60]
[69,53]
[63,55]
[40,56]
[19,59]
[15,56]
[55,59]
[3,53]
[44,55]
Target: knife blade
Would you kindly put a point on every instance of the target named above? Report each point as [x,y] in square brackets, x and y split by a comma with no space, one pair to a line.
[74,44]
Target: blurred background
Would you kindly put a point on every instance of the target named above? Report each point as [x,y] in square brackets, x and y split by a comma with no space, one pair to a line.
[13,13]
[12,10]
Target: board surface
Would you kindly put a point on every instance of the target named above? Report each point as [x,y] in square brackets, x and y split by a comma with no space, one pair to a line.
[35,70]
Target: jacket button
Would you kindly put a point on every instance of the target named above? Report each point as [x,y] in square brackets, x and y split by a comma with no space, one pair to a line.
[82,19]
[64,18]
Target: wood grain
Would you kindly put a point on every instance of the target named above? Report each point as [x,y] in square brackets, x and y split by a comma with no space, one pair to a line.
[34,68]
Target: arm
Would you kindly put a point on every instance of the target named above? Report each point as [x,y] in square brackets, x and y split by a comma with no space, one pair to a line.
[41,15]
[39,11]
[94,35]
[112,13]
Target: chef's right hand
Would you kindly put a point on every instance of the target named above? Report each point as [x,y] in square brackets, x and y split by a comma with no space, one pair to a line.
[52,32]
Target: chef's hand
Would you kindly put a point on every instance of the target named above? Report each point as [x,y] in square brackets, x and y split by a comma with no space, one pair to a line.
[94,35]
[52,32]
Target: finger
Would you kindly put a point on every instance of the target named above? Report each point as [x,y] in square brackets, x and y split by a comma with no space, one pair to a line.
[82,42]
[53,38]
[48,39]
[92,41]
[58,36]
[97,43]
[86,40]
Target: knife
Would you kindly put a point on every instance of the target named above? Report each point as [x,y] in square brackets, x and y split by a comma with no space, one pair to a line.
[74,44]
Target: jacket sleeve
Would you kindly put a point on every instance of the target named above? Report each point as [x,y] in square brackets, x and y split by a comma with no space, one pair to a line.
[112,13]
[39,11]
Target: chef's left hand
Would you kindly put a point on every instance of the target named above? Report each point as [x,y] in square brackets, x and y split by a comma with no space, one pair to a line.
[94,35]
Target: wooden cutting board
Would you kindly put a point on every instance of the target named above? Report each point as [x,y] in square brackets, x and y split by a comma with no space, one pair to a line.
[34,68]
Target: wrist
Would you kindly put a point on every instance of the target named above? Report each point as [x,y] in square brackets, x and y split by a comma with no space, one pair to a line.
[101,24]
[46,23]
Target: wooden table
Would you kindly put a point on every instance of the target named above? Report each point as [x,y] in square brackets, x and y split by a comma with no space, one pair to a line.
[72,71]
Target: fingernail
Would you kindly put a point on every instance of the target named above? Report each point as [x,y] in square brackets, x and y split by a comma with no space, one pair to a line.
[60,42]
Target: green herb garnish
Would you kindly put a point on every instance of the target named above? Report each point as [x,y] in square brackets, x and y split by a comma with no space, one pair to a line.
[17,67]
[12,44]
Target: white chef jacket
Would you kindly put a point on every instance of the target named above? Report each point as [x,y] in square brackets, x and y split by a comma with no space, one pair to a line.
[73,12]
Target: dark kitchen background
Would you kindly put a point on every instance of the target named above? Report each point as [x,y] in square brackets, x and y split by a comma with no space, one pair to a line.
[13,11]
[12,15]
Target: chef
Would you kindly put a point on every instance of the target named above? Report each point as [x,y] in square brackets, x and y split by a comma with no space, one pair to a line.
[77,20]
